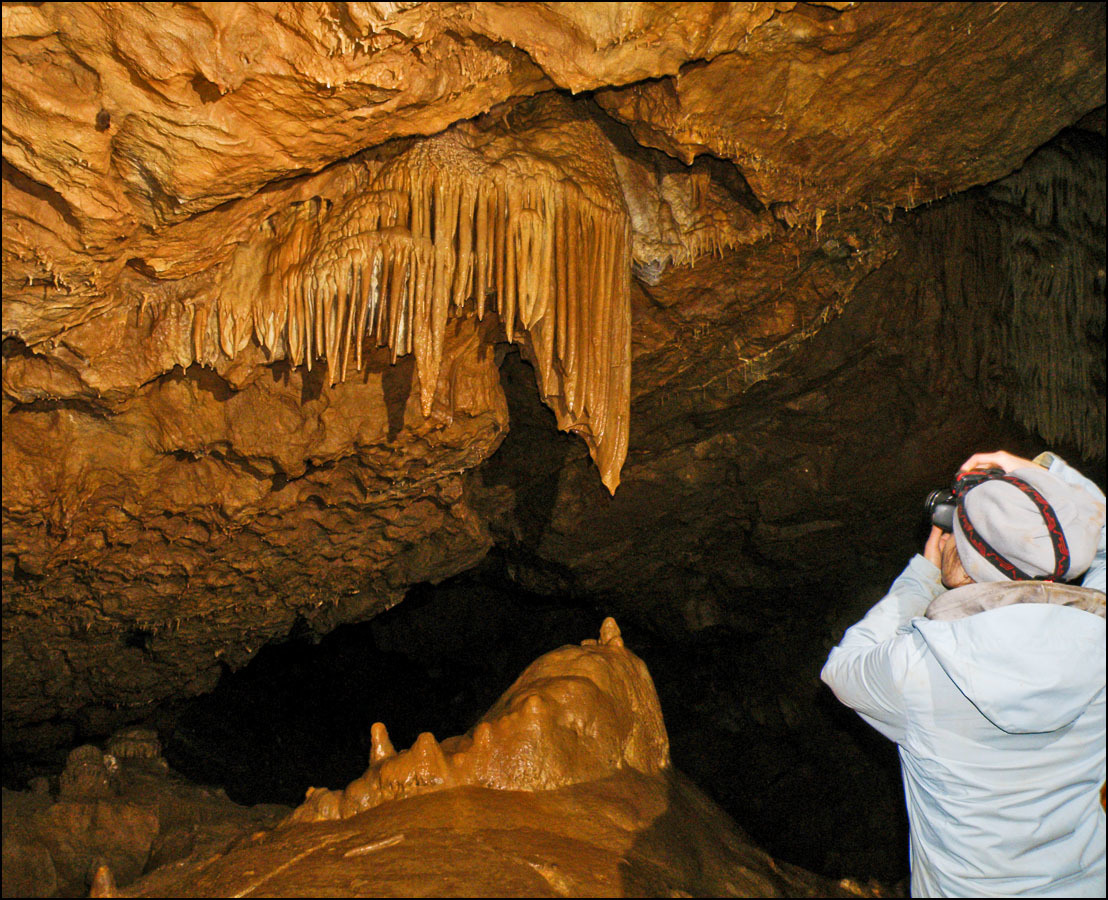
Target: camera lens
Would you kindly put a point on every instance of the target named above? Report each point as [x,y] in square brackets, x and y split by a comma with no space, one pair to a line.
[940,506]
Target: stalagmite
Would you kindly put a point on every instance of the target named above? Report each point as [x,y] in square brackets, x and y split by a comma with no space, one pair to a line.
[563,789]
[577,714]
[534,217]
[381,747]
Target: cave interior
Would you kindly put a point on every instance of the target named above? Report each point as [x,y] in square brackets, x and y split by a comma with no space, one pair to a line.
[355,355]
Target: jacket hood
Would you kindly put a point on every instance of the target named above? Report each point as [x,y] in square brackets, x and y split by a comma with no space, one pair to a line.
[1028,667]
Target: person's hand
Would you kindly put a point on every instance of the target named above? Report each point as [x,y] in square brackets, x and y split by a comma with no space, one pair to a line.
[1006,461]
[932,551]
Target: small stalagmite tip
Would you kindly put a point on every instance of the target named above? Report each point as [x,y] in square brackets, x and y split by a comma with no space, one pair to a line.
[380,747]
[609,632]
[103,883]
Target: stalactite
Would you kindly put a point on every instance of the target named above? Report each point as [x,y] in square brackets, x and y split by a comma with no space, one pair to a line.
[1021,264]
[533,218]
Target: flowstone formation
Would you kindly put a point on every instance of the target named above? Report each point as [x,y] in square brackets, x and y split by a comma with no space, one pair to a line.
[529,222]
[1032,247]
[574,715]
[563,789]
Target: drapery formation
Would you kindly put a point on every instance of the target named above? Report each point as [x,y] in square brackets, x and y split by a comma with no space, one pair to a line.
[527,220]
[1021,264]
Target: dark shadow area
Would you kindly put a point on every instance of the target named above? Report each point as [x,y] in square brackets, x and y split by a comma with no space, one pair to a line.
[397,382]
[750,724]
[25,183]
[532,480]
[205,379]
[299,714]
[747,719]
[311,384]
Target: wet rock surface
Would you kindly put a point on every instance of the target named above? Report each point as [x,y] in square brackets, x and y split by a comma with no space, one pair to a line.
[124,810]
[826,317]
[563,788]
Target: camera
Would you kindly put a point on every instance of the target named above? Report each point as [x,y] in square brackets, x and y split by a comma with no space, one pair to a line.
[942,504]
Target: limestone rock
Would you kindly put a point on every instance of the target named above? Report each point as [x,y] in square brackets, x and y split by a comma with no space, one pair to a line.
[179,486]
[89,774]
[564,788]
[873,103]
[104,831]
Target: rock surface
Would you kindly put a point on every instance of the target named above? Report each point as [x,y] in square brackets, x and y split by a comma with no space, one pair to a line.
[876,103]
[123,810]
[172,503]
[564,788]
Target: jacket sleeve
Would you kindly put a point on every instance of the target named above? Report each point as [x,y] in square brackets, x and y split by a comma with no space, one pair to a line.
[867,669]
[1094,577]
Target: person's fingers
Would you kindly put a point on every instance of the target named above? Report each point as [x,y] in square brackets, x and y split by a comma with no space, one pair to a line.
[980,460]
[932,549]
[1009,462]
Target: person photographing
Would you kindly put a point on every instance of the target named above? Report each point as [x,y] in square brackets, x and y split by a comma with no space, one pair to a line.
[985,663]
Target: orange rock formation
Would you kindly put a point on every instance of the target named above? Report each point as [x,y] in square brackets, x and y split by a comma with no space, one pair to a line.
[203,201]
[576,714]
[263,264]
[564,788]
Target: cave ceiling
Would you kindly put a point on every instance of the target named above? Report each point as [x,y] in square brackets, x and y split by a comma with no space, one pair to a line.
[205,204]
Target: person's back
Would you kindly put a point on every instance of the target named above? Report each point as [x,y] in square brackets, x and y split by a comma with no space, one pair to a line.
[1003,753]
[997,699]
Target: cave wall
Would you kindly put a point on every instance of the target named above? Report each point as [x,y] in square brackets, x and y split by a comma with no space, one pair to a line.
[972,322]
[177,491]
[756,522]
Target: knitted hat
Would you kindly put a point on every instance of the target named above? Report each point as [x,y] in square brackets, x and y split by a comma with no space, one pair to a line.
[1010,534]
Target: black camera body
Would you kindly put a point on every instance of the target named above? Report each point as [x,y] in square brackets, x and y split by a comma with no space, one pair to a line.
[942,504]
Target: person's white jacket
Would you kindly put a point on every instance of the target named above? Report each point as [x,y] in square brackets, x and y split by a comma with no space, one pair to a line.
[1000,721]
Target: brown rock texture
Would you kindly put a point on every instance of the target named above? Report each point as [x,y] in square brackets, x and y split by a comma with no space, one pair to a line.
[563,789]
[876,103]
[121,810]
[208,507]
[186,473]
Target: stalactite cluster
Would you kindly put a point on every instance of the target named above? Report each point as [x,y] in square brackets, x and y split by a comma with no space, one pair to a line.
[471,220]
[1021,265]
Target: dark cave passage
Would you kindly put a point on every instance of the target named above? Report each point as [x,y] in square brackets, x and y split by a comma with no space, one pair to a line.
[746,721]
